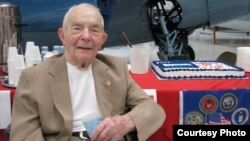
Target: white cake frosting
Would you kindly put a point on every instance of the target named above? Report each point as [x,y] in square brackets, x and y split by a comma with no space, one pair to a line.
[178,69]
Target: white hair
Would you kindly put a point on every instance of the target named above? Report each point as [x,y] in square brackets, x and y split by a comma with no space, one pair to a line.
[66,16]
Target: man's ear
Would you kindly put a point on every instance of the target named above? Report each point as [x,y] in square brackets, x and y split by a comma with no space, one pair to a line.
[104,37]
[60,34]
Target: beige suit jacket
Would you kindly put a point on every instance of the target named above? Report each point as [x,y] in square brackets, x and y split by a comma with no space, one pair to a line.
[42,108]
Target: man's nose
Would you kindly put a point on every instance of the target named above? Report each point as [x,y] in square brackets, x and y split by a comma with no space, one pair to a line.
[85,34]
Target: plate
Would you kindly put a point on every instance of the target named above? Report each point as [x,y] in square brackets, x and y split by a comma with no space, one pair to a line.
[5,83]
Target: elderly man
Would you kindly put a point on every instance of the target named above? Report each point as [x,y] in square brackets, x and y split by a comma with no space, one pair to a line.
[54,97]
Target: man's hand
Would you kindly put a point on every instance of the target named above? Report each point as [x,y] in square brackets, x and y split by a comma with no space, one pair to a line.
[113,128]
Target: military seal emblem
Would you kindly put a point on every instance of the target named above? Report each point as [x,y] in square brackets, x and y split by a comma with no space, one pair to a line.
[208,104]
[240,116]
[194,118]
[228,102]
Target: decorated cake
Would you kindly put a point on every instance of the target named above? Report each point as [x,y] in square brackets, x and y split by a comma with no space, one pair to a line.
[186,69]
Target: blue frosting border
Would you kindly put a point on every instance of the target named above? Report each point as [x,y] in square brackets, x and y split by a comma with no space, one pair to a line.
[191,66]
[198,77]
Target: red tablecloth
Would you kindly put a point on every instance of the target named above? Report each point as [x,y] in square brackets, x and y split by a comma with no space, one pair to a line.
[168,95]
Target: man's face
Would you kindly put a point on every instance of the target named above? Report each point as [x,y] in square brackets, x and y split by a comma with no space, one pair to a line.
[83,36]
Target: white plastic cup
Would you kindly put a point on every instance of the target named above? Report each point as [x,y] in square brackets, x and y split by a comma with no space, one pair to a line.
[19,67]
[29,46]
[12,52]
[139,59]
[35,55]
[241,55]
[30,43]
[245,62]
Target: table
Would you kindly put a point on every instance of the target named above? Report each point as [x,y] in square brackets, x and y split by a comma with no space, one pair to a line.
[168,95]
[12,92]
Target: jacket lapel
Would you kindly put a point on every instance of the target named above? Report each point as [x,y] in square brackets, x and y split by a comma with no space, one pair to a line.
[103,83]
[59,87]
